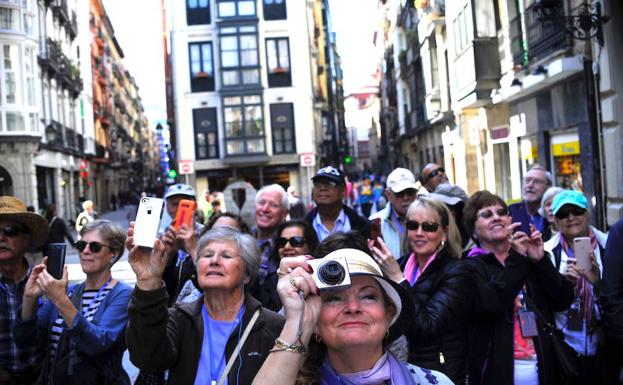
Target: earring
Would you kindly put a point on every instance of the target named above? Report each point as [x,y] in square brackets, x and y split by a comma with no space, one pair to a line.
[387,334]
[317,338]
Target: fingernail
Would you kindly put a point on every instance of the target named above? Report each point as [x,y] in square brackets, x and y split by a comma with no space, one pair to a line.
[309,257]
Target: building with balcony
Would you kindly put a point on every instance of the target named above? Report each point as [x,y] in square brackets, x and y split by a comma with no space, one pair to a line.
[248,93]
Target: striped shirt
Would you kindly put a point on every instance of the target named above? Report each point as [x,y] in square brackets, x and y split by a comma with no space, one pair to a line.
[88,311]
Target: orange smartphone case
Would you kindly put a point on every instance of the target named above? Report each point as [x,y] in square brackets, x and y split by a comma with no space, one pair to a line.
[185,212]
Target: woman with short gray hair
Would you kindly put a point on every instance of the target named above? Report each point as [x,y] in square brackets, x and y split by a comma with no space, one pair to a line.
[197,340]
[546,211]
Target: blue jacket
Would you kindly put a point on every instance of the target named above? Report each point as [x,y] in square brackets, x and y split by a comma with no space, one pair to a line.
[88,352]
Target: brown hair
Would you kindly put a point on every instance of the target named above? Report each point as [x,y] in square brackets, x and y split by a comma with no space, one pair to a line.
[477,201]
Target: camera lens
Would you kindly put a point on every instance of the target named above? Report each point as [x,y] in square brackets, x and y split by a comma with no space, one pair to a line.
[331,273]
[144,200]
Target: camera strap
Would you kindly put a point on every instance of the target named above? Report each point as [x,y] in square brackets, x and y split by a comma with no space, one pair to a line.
[236,351]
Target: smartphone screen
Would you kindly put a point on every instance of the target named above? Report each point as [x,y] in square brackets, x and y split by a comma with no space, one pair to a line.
[56,259]
[147,221]
[582,252]
[185,212]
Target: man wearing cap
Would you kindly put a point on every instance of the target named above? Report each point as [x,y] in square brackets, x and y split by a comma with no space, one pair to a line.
[178,243]
[400,192]
[331,215]
[535,183]
[20,231]
[432,175]
[455,198]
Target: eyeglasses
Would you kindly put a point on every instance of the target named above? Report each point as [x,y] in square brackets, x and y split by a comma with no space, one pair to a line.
[95,247]
[295,241]
[565,211]
[435,172]
[324,184]
[429,227]
[13,231]
[406,192]
[486,214]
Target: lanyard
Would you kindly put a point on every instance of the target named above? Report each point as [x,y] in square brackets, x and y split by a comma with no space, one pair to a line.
[93,303]
[217,360]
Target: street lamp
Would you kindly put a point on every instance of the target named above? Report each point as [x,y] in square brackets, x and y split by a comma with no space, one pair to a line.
[585,23]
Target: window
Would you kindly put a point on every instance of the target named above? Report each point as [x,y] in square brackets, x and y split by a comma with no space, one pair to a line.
[275,10]
[201,67]
[9,19]
[206,133]
[462,29]
[11,64]
[197,12]
[244,125]
[278,58]
[282,127]
[236,8]
[30,76]
[239,56]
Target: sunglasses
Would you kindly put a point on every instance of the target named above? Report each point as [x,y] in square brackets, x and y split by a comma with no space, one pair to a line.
[565,211]
[325,183]
[295,241]
[13,231]
[436,172]
[429,227]
[406,192]
[486,214]
[95,247]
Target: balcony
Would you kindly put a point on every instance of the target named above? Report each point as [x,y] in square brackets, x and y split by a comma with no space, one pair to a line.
[50,59]
[544,38]
[54,135]
[478,73]
[80,143]
[72,26]
[60,11]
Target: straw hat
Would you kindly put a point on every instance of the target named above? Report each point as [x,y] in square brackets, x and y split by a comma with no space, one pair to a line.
[14,210]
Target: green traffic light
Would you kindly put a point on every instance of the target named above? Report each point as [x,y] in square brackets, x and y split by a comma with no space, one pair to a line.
[348,159]
[172,174]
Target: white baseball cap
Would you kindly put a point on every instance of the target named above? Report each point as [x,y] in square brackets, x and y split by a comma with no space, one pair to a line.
[401,179]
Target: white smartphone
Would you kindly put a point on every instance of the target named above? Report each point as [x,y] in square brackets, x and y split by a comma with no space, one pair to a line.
[582,252]
[147,221]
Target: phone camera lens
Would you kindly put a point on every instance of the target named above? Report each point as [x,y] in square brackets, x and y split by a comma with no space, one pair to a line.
[144,200]
[331,273]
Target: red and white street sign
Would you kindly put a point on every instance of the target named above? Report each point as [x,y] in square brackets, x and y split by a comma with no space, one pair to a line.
[308,159]
[187,167]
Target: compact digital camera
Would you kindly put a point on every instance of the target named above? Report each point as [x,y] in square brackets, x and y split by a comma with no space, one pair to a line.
[330,274]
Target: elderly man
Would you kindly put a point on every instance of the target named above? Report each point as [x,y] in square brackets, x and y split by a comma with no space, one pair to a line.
[400,192]
[535,182]
[20,231]
[179,244]
[432,175]
[271,208]
[331,215]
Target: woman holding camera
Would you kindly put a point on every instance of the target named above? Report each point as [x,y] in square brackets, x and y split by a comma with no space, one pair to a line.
[507,338]
[338,336]
[197,341]
[295,237]
[80,330]
[439,285]
[579,323]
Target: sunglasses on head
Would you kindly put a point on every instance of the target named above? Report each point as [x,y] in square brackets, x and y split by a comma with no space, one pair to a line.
[429,227]
[436,172]
[406,192]
[486,214]
[13,231]
[295,241]
[565,211]
[95,247]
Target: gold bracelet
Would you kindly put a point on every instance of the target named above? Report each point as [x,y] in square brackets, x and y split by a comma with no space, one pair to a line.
[284,346]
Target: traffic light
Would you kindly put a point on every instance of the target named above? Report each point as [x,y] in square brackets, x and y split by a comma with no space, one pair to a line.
[348,159]
[172,174]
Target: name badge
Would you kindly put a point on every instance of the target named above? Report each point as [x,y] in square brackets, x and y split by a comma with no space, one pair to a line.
[527,323]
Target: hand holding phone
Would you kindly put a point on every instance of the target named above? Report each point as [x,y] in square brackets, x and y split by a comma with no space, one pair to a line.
[147,221]
[582,251]
[185,212]
[56,259]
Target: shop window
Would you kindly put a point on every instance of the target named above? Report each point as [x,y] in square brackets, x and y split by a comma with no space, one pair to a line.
[501,158]
[565,150]
[282,128]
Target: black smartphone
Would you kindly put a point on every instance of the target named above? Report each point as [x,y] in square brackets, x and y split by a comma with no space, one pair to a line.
[375,231]
[56,259]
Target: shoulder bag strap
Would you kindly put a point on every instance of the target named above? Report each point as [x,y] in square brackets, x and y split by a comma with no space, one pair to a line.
[232,358]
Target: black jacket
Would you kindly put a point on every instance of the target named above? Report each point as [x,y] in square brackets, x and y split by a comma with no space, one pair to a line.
[437,335]
[160,338]
[491,344]
[357,222]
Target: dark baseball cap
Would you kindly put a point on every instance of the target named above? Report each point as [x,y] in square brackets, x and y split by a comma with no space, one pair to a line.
[331,173]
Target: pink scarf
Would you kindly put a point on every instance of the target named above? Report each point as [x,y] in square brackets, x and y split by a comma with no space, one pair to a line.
[412,270]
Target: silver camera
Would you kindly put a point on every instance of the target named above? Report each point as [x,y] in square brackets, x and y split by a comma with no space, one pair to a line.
[330,274]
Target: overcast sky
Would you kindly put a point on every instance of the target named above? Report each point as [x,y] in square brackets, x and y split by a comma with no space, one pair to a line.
[138,29]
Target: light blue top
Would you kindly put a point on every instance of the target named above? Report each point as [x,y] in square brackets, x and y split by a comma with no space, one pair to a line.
[392,234]
[342,224]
